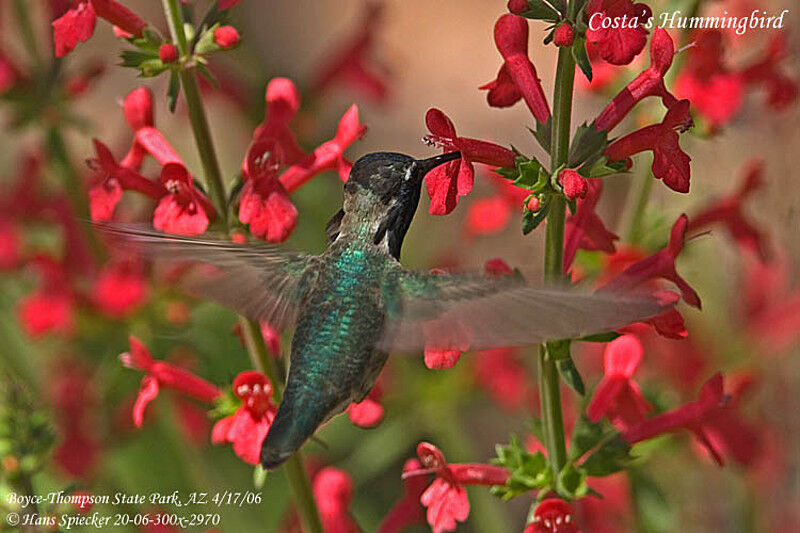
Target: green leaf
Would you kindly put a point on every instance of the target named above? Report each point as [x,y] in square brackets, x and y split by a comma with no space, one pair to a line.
[558,350]
[540,10]
[611,457]
[173,91]
[600,167]
[601,337]
[528,174]
[571,482]
[543,133]
[528,471]
[586,143]
[203,70]
[151,68]
[581,57]
[569,373]
[585,436]
[134,58]
[531,220]
[653,511]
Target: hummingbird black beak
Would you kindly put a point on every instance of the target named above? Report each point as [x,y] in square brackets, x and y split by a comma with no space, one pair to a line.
[426,165]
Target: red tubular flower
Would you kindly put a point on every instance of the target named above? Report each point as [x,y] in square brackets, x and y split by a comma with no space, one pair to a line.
[408,510]
[503,92]
[584,230]
[446,498]
[659,265]
[447,183]
[111,179]
[120,288]
[10,245]
[619,45]
[327,156]
[226,36]
[222,5]
[617,396]
[248,426]
[161,374]
[552,515]
[649,83]
[51,307]
[183,210]
[167,53]
[729,212]
[349,62]
[157,146]
[711,418]
[283,101]
[368,413]
[511,38]
[138,110]
[781,90]
[670,163]
[77,24]
[333,491]
[574,185]
[715,92]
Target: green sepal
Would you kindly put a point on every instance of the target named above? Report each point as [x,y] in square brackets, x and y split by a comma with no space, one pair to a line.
[540,10]
[581,57]
[173,90]
[529,174]
[610,457]
[608,336]
[205,44]
[549,37]
[543,133]
[531,219]
[586,143]
[572,205]
[600,167]
[203,70]
[585,436]
[578,6]
[569,373]
[528,471]
[571,482]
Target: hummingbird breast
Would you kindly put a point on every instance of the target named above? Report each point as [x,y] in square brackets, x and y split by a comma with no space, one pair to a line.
[333,357]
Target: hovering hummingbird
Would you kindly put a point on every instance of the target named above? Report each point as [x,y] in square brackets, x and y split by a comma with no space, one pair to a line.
[354,304]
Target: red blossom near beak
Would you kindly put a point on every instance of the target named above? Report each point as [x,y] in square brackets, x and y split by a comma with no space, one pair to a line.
[111,179]
[711,418]
[511,38]
[619,45]
[51,307]
[446,498]
[584,230]
[283,102]
[659,265]
[448,182]
[247,428]
[349,62]
[120,288]
[369,412]
[670,163]
[617,396]
[161,374]
[729,212]
[327,156]
[77,24]
[649,83]
[183,210]
[487,216]
[552,515]
[781,90]
[333,491]
[408,510]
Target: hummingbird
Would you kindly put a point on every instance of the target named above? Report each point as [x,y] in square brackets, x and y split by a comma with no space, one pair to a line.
[354,304]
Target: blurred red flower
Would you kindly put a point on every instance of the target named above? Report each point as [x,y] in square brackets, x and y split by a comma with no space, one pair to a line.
[333,491]
[184,210]
[408,510]
[120,288]
[77,24]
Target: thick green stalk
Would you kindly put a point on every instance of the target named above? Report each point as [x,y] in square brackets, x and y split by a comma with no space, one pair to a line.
[549,391]
[257,350]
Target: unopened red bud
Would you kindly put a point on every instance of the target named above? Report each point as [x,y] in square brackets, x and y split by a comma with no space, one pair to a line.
[564,35]
[518,7]
[226,36]
[533,204]
[167,53]
[574,184]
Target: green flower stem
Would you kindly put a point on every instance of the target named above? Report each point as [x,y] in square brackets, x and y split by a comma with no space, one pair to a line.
[26,28]
[76,192]
[549,391]
[257,350]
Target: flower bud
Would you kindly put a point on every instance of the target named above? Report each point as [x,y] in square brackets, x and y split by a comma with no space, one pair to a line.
[226,36]
[167,53]
[518,7]
[574,184]
[533,204]
[564,35]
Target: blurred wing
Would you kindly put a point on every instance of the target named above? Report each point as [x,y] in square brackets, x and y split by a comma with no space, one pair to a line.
[461,311]
[259,281]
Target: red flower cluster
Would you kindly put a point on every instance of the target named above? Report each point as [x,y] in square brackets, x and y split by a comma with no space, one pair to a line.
[264,203]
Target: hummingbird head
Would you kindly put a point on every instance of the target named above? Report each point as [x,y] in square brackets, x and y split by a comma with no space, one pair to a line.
[381,197]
